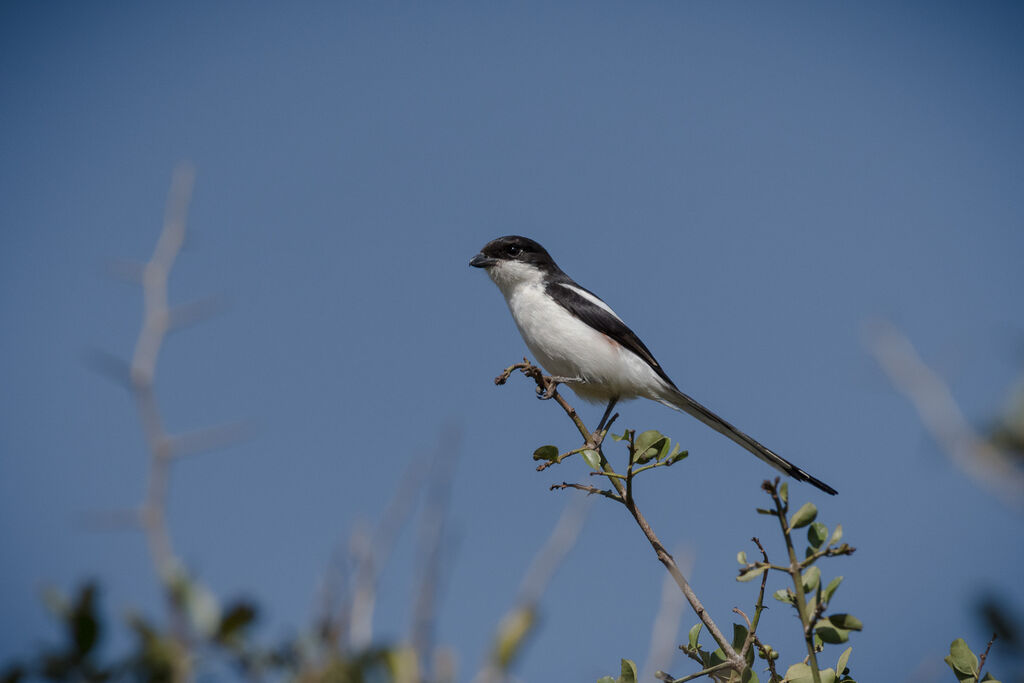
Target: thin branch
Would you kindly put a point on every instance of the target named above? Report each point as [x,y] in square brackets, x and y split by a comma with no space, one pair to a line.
[758,606]
[372,554]
[139,376]
[554,551]
[766,656]
[545,388]
[941,416]
[431,538]
[706,672]
[794,573]
[520,621]
[983,657]
[208,439]
[587,489]
[665,629]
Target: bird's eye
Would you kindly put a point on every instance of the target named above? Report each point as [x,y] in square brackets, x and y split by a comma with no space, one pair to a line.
[513,251]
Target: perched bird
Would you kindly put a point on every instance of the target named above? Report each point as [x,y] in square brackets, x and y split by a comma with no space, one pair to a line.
[582,342]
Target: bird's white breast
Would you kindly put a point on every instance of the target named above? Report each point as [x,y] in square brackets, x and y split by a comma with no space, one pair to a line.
[565,345]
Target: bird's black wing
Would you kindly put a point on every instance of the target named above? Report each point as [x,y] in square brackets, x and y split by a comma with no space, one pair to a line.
[602,320]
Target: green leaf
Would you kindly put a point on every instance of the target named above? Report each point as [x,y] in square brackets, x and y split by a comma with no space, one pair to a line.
[235,620]
[741,557]
[799,673]
[961,659]
[804,516]
[675,456]
[84,626]
[648,446]
[739,636]
[751,574]
[826,595]
[847,621]
[816,534]
[810,606]
[811,578]
[694,634]
[827,676]
[843,658]
[784,595]
[836,535]
[762,511]
[549,453]
[717,657]
[628,674]
[620,437]
[784,492]
[592,457]
[830,633]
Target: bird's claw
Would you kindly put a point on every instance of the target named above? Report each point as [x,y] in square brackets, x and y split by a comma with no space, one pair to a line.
[548,392]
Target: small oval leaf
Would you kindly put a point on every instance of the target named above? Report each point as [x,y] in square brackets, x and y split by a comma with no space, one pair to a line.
[752,574]
[694,634]
[830,589]
[843,659]
[811,578]
[628,672]
[592,457]
[816,534]
[961,659]
[549,453]
[799,673]
[804,516]
[648,445]
[847,621]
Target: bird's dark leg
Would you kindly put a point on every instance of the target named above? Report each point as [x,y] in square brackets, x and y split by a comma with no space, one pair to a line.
[607,412]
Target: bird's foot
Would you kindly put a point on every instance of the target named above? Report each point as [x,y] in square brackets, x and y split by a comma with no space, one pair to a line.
[551,385]
[549,389]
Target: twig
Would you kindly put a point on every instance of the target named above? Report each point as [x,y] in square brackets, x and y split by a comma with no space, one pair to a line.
[142,374]
[370,554]
[706,672]
[512,634]
[588,489]
[665,629]
[766,656]
[794,573]
[431,532]
[593,441]
[983,657]
[940,414]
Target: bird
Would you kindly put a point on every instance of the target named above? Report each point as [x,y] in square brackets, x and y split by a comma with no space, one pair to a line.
[583,343]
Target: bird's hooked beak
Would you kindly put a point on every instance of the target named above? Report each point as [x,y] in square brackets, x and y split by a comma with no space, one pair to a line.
[481,261]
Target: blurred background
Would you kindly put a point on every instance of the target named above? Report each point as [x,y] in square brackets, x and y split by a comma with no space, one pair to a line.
[751,187]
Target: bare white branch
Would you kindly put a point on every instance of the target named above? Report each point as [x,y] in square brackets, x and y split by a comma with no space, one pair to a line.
[941,415]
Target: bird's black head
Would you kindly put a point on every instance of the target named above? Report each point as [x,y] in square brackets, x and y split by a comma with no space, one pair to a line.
[513,248]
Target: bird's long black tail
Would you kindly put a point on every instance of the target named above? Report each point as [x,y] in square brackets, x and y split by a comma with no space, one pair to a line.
[680,401]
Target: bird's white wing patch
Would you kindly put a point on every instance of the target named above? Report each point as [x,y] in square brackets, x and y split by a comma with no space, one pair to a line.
[591,298]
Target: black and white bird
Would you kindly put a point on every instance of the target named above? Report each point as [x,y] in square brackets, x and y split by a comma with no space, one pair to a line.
[582,342]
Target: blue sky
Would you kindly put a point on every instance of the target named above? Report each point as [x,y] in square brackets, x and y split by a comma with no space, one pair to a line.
[746,186]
